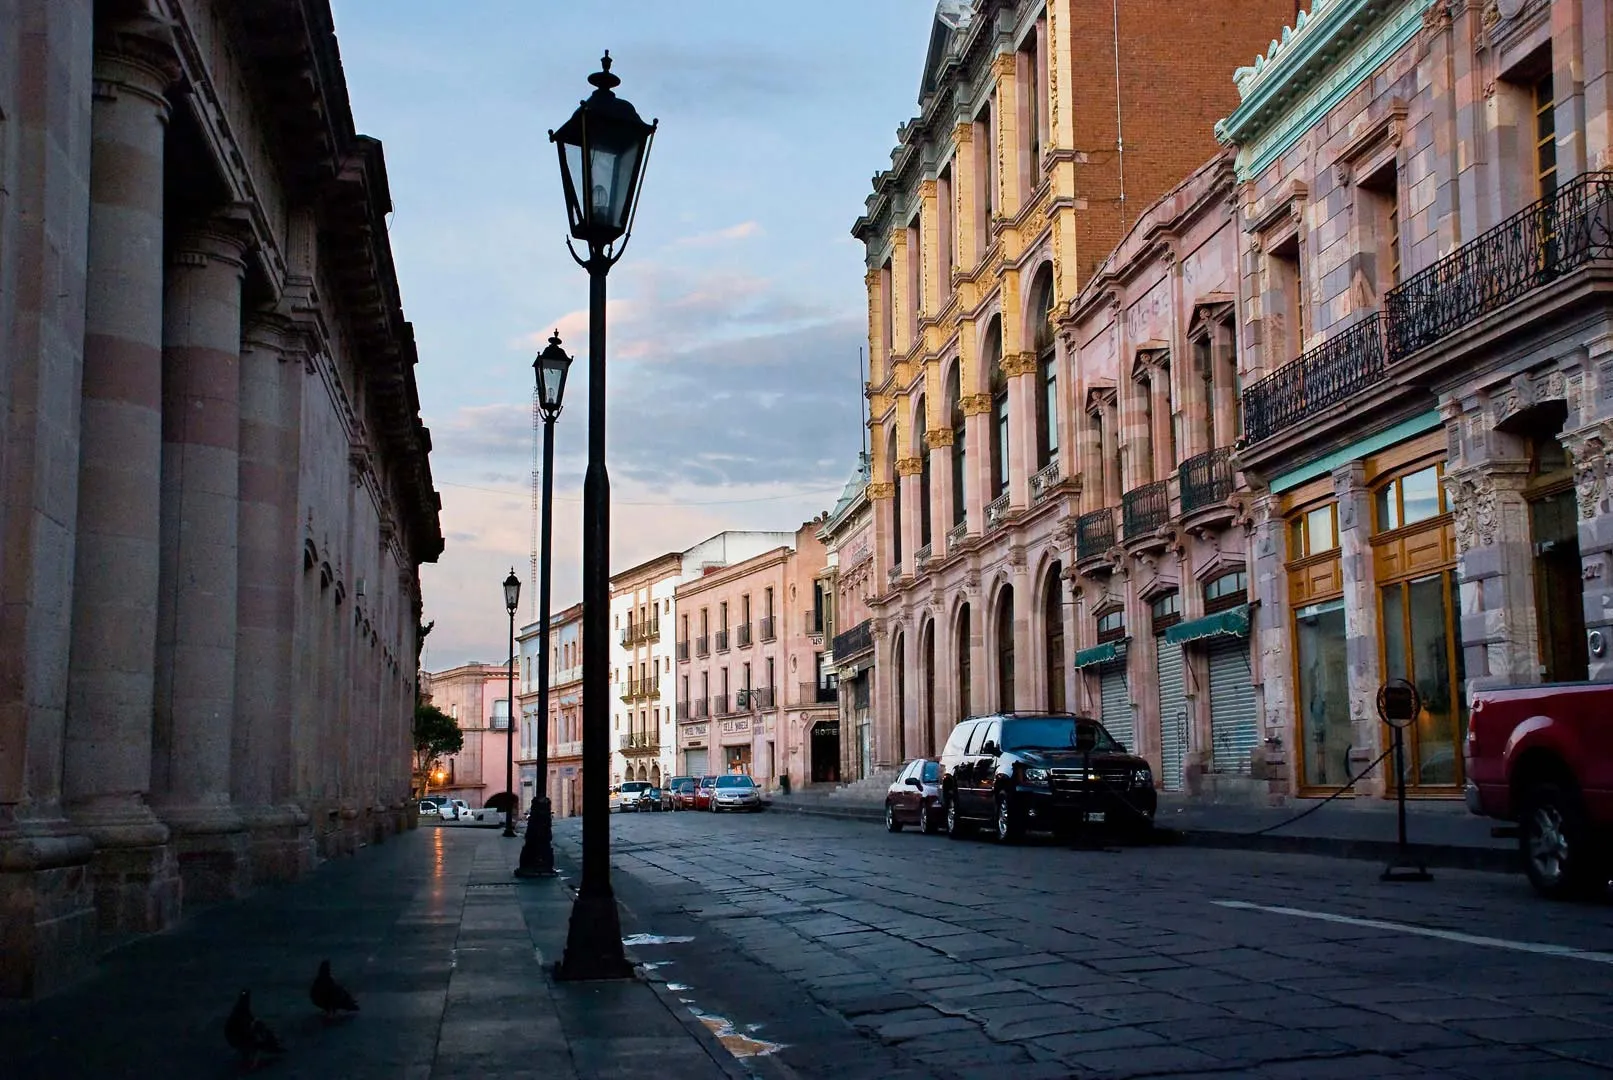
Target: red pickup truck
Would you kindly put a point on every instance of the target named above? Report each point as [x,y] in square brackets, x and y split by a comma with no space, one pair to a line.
[1542,756]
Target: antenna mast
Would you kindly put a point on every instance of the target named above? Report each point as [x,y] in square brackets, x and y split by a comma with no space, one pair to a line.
[537,459]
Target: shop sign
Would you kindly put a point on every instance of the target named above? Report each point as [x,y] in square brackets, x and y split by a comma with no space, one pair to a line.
[736,727]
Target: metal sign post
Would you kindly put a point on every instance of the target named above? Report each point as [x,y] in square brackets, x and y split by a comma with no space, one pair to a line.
[1398,706]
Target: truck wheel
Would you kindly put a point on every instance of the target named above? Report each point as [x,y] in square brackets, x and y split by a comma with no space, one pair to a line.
[1556,843]
[1010,820]
[955,826]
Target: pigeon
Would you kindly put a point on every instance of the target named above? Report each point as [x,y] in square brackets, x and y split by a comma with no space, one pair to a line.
[328,995]
[250,1036]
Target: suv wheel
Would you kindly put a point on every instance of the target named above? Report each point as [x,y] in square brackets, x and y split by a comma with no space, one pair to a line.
[1010,830]
[891,824]
[955,826]
[1555,843]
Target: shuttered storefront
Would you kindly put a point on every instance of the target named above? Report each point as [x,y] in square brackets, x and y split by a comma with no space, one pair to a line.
[1233,733]
[694,762]
[1115,703]
[1172,713]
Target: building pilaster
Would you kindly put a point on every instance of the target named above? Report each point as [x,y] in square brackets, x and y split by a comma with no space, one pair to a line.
[938,444]
[1273,760]
[1500,639]
[1021,369]
[1591,450]
[977,477]
[910,481]
[1361,621]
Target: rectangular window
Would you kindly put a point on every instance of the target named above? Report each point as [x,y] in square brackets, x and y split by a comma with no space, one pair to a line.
[1378,210]
[1314,532]
[915,277]
[1410,499]
[501,714]
[1324,694]
[985,178]
[1286,298]
[1545,135]
[887,309]
[1112,625]
[1050,410]
[945,228]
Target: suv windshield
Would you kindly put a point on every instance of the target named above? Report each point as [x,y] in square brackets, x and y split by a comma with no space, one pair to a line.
[1054,733]
[735,781]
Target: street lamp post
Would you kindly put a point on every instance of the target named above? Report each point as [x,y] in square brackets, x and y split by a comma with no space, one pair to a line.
[512,599]
[602,147]
[537,854]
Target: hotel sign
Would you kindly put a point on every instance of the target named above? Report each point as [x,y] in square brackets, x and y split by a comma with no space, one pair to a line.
[736,727]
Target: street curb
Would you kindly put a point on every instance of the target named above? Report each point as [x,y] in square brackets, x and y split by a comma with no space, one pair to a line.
[1440,856]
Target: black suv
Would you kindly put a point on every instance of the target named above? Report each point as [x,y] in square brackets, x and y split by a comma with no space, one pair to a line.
[1025,770]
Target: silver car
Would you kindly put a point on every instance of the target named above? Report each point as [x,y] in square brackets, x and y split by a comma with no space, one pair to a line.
[735,792]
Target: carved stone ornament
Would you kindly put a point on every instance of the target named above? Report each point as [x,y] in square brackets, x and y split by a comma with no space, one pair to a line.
[935,438]
[1019,364]
[975,404]
[909,466]
[1472,499]
[881,489]
[1591,454]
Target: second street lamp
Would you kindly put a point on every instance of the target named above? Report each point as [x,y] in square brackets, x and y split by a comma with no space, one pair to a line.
[603,147]
[537,853]
[512,600]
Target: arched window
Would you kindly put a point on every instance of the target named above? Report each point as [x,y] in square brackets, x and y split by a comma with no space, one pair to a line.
[928,653]
[954,404]
[999,407]
[964,686]
[920,427]
[1047,398]
[1005,649]
[1053,618]
[901,700]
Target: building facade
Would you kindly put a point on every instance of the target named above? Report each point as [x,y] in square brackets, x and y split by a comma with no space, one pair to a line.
[641,669]
[847,536]
[994,213]
[476,697]
[751,683]
[217,490]
[565,712]
[1428,369]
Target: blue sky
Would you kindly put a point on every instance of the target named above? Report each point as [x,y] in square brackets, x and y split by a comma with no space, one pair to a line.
[736,315]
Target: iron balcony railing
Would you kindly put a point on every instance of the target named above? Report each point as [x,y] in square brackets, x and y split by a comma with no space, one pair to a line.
[702,645]
[641,740]
[683,650]
[744,634]
[812,693]
[1342,366]
[767,628]
[719,705]
[1206,479]
[854,642]
[1094,533]
[760,697]
[683,710]
[650,631]
[1044,480]
[1558,234]
[1146,508]
[701,708]
[722,641]
[625,637]
[997,511]
[625,691]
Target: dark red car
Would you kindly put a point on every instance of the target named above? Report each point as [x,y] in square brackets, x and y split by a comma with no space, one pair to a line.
[682,794]
[914,797]
[702,793]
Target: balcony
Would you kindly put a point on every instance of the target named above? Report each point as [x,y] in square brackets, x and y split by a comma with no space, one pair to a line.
[744,634]
[854,642]
[722,640]
[997,512]
[921,557]
[812,693]
[768,628]
[719,705]
[702,645]
[894,574]
[683,650]
[1561,233]
[1094,534]
[956,534]
[812,623]
[1206,480]
[1335,371]
[649,631]
[625,691]
[1146,509]
[699,709]
[641,742]
[761,697]
[683,710]
[1043,481]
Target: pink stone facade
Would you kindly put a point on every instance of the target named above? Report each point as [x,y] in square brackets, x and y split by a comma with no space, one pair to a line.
[215,490]
[565,712]
[474,695]
[752,684]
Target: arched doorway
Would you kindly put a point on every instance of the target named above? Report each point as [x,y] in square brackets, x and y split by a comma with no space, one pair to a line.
[927,652]
[900,687]
[655,775]
[1053,635]
[963,654]
[1005,648]
[825,744]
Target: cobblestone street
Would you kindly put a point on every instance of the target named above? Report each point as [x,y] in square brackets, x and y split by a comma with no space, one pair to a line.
[867,954]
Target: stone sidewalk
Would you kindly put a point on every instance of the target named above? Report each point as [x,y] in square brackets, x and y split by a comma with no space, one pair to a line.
[447,953]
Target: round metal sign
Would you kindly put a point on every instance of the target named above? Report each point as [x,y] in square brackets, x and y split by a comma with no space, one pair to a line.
[1398,703]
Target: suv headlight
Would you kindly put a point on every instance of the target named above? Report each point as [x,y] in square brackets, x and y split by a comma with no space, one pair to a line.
[1141,777]
[1035,776]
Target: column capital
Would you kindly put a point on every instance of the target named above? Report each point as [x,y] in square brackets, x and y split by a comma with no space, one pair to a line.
[935,438]
[975,404]
[1003,65]
[223,236]
[909,466]
[963,134]
[136,56]
[881,489]
[1021,363]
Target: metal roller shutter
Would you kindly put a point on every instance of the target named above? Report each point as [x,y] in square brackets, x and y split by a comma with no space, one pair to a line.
[1115,703]
[1172,713]
[1233,733]
[694,762]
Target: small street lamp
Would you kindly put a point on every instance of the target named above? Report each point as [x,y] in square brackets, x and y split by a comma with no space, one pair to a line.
[603,148]
[512,600]
[537,853]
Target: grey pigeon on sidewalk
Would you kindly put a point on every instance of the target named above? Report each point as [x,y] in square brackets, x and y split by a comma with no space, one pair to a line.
[329,996]
[250,1036]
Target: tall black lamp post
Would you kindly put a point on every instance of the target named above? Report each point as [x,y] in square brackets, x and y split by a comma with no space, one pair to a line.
[602,148]
[537,854]
[512,599]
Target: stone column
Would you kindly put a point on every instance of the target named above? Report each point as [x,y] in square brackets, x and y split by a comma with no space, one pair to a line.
[107,756]
[1495,560]
[982,684]
[938,444]
[882,494]
[268,564]
[1361,623]
[1272,650]
[912,718]
[883,692]
[1030,691]
[977,478]
[197,601]
[1591,450]
[1021,370]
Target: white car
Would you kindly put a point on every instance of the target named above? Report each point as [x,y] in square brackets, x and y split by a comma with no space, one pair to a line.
[626,795]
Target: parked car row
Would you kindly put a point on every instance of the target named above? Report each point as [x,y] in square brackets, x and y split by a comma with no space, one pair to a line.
[443,808]
[1017,772]
[731,791]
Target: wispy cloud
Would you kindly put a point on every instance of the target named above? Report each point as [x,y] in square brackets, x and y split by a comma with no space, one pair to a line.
[743,231]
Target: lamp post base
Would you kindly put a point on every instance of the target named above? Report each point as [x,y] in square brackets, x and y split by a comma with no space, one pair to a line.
[537,854]
[594,942]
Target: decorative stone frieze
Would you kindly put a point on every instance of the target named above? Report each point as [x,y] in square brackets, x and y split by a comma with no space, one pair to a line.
[1472,498]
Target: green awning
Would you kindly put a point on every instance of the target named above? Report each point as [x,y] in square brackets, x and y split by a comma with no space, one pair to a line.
[1100,654]
[1234,622]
